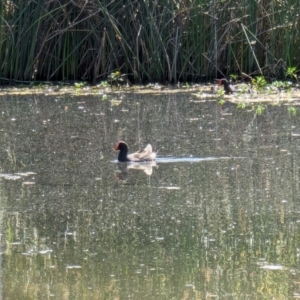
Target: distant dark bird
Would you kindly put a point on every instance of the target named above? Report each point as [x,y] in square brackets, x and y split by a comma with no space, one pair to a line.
[228,88]
[143,155]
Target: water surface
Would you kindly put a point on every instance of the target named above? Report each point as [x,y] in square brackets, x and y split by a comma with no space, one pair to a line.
[216,217]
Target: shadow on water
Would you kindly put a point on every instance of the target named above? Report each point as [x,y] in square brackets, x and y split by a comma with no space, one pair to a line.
[218,217]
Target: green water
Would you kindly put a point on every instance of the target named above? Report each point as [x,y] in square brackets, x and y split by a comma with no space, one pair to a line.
[218,217]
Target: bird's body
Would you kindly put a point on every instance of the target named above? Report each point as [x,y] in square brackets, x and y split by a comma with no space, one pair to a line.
[228,88]
[143,155]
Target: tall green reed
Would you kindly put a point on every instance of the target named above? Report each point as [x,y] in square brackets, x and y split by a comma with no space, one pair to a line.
[167,40]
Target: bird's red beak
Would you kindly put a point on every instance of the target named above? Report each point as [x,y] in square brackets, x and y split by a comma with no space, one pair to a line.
[116,147]
[219,81]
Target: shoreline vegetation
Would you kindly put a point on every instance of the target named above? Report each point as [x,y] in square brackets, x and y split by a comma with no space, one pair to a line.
[149,41]
[277,93]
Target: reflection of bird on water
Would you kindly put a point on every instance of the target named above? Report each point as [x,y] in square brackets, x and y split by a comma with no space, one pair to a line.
[147,167]
[122,173]
[143,155]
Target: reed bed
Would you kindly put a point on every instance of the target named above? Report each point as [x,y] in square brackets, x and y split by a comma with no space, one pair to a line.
[166,40]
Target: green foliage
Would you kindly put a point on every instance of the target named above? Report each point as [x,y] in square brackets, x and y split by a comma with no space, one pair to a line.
[292,110]
[241,105]
[221,93]
[220,96]
[221,102]
[282,85]
[259,82]
[244,88]
[116,78]
[291,72]
[259,109]
[104,84]
[233,77]
[79,85]
[104,97]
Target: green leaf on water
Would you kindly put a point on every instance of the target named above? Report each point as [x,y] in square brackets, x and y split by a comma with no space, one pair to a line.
[242,105]
[292,110]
